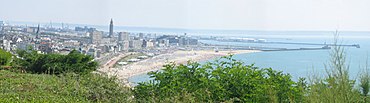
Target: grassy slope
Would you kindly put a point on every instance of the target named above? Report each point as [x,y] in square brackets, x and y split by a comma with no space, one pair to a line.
[17,87]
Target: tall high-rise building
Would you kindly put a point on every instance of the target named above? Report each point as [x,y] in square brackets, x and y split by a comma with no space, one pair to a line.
[141,35]
[136,44]
[38,31]
[96,37]
[123,36]
[111,28]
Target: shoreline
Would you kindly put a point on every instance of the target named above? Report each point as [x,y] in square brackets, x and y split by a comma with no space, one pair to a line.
[156,63]
[199,59]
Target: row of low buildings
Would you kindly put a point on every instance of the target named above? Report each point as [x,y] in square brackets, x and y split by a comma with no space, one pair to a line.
[136,41]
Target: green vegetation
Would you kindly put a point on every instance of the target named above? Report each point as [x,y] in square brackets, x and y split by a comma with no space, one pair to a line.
[5,58]
[55,63]
[365,82]
[70,87]
[223,80]
[58,78]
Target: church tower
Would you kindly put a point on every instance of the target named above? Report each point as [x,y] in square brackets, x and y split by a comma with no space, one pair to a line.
[111,28]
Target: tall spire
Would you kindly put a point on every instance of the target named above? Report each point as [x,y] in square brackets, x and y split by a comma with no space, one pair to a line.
[38,29]
[111,28]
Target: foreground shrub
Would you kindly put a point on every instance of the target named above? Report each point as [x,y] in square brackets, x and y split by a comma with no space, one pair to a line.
[55,63]
[336,86]
[223,80]
[19,87]
[5,58]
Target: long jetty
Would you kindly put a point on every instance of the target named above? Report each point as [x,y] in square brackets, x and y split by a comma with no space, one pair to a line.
[226,47]
[324,44]
[323,48]
[353,45]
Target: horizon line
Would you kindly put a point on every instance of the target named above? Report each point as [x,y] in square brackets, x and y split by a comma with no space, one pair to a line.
[185,29]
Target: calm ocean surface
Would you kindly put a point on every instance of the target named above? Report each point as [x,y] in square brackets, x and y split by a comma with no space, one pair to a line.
[298,63]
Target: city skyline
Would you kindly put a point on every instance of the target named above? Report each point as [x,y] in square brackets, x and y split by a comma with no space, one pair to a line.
[189,14]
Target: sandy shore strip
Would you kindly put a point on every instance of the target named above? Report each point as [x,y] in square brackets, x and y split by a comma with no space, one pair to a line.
[156,62]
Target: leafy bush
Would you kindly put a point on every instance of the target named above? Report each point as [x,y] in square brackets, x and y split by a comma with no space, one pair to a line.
[220,81]
[56,63]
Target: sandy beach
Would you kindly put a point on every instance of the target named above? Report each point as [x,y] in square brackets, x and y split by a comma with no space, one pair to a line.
[156,62]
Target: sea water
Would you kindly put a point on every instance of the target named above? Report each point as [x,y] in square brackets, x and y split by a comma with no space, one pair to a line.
[301,63]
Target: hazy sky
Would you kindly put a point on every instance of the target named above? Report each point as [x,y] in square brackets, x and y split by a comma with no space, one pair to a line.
[197,14]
